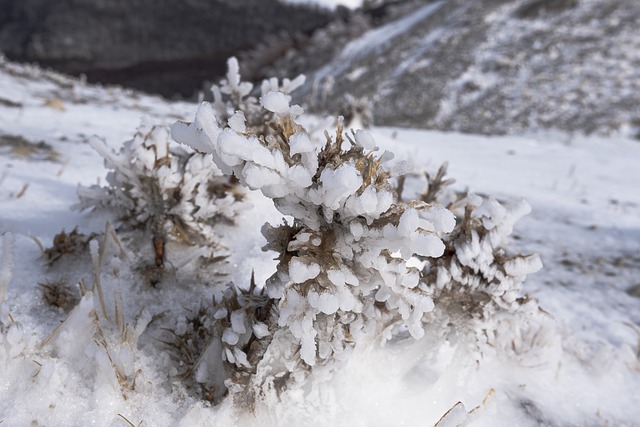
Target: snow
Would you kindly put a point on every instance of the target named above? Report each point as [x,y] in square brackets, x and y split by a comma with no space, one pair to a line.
[329,3]
[6,263]
[585,224]
[376,39]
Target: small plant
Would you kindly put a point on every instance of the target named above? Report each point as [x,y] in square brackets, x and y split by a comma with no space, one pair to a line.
[171,195]
[67,243]
[477,282]
[58,294]
[343,273]
[95,336]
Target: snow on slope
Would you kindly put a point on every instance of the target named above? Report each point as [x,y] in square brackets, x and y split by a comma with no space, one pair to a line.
[492,67]
[585,224]
[329,3]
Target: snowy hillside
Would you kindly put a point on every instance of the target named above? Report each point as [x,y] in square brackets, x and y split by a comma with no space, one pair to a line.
[118,358]
[487,67]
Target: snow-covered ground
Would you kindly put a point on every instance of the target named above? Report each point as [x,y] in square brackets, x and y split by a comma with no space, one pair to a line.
[585,225]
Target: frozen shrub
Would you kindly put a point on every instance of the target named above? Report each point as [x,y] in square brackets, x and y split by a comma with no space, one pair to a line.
[477,282]
[343,271]
[171,194]
[215,345]
[234,104]
[475,262]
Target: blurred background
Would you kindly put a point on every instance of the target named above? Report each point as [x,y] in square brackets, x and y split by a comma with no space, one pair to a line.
[485,67]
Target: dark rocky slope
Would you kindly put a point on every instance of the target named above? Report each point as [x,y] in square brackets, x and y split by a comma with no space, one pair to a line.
[162,46]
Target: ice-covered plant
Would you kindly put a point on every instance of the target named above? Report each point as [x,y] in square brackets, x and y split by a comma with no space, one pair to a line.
[171,193]
[234,101]
[476,279]
[94,336]
[475,261]
[343,271]
[210,344]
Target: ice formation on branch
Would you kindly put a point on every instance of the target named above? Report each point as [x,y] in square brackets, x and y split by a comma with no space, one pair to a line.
[216,345]
[475,261]
[343,272]
[477,284]
[171,193]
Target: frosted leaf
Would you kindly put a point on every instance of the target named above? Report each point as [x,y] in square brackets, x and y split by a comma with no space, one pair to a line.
[269,85]
[350,278]
[235,148]
[442,219]
[336,277]
[296,329]
[233,72]
[230,337]
[237,122]
[427,244]
[443,277]
[411,279]
[300,143]
[386,156]
[491,212]
[299,177]
[238,319]
[307,323]
[302,270]
[147,158]
[308,349]
[338,184]
[241,358]
[409,222]
[357,230]
[383,293]
[328,303]
[202,133]
[522,266]
[314,298]
[162,148]
[346,300]
[229,355]
[257,177]
[425,304]
[385,200]
[324,349]
[289,86]
[364,204]
[260,330]
[276,102]
[220,313]
[234,84]
[365,140]
[296,110]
